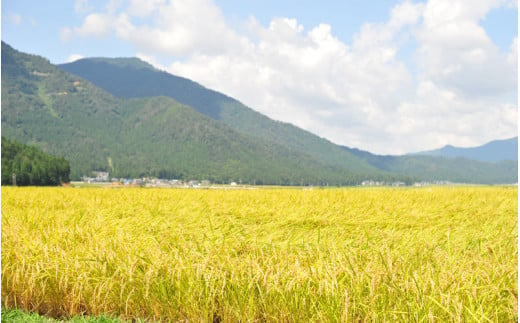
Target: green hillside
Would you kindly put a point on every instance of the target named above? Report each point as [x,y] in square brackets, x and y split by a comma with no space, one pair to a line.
[55,111]
[65,115]
[132,78]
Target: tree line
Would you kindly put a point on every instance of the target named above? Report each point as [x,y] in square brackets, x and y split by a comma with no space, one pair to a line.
[27,165]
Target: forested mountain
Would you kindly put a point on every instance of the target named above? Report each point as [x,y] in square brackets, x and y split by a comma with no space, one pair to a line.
[132,78]
[66,115]
[494,151]
[27,165]
[156,124]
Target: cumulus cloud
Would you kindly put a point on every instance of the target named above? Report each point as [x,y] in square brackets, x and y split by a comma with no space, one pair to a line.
[457,53]
[95,24]
[177,28]
[361,94]
[141,8]
[74,57]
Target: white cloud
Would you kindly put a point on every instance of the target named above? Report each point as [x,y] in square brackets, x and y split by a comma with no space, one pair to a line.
[74,57]
[359,95]
[456,52]
[113,5]
[141,8]
[95,24]
[512,57]
[440,117]
[405,13]
[176,28]
[309,78]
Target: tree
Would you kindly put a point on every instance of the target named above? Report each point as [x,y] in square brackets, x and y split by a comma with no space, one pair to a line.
[31,165]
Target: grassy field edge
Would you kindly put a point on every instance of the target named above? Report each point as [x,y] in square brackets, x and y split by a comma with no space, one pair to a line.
[20,316]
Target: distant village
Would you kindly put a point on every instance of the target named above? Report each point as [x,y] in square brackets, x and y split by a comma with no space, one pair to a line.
[398,183]
[103,177]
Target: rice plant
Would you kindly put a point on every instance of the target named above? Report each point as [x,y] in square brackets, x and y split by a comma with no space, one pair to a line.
[332,255]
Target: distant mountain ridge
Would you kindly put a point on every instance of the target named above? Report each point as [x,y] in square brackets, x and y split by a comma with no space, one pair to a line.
[133,78]
[494,151]
[436,168]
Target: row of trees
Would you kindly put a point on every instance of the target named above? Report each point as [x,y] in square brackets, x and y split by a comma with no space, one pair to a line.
[27,165]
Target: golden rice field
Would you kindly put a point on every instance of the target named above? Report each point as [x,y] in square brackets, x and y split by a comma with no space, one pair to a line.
[289,255]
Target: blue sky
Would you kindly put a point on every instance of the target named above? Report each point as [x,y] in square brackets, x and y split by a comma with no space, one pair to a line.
[39,25]
[385,76]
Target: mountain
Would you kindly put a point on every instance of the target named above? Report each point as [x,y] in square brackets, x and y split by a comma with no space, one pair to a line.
[493,151]
[133,78]
[66,115]
[125,117]
[435,168]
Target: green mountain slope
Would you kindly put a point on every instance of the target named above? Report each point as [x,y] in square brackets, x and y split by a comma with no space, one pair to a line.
[55,111]
[132,78]
[66,115]
[189,145]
